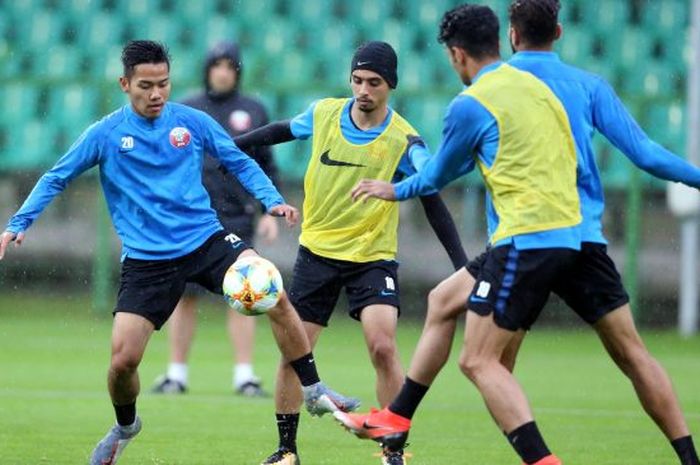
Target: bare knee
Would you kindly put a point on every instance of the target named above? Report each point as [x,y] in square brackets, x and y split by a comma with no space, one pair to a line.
[436,298]
[632,356]
[471,366]
[125,361]
[382,351]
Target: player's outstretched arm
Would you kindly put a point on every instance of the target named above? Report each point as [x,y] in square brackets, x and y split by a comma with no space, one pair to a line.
[6,238]
[270,134]
[82,155]
[443,224]
[616,123]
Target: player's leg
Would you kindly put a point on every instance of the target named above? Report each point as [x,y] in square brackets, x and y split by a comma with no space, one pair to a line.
[288,400]
[379,328]
[597,295]
[446,302]
[181,328]
[651,382]
[142,307]
[130,335]
[480,361]
[510,291]
[373,298]
[510,353]
[241,330]
[314,292]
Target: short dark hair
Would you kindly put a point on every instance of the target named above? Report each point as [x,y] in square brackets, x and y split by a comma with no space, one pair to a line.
[137,52]
[473,28]
[535,20]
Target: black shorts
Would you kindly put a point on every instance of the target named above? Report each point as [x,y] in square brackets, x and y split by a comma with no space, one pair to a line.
[318,281]
[595,287]
[152,288]
[242,228]
[514,284]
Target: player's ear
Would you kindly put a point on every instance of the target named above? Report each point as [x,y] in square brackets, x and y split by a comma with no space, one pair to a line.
[124,83]
[513,36]
[558,32]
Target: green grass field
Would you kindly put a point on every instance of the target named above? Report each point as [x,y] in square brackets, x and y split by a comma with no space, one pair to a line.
[54,405]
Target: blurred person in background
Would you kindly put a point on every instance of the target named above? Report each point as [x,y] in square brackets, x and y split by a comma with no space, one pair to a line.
[237,210]
[352,246]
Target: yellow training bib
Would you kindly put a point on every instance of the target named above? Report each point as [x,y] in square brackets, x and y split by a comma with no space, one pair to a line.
[532,180]
[334,226]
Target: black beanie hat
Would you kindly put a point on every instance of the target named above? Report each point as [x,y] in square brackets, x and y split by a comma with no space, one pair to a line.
[379,57]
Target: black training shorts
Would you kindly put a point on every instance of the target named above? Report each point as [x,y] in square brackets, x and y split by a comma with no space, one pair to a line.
[515,284]
[242,228]
[152,288]
[595,287]
[318,281]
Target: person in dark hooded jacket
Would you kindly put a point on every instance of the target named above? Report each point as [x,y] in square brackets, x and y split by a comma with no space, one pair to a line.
[237,211]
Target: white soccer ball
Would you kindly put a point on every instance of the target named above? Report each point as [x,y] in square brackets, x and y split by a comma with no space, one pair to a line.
[252,285]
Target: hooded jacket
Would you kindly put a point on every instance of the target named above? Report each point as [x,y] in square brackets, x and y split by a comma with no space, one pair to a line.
[237,114]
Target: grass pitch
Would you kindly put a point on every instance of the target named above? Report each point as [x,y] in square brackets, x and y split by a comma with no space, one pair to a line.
[54,405]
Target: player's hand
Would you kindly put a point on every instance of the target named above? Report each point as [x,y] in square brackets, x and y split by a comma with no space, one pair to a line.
[290,214]
[8,237]
[368,188]
[267,228]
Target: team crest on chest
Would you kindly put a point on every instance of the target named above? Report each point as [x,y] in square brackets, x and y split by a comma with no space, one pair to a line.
[180,137]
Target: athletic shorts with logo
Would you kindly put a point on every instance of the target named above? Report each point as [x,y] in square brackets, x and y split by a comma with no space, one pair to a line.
[318,281]
[590,284]
[514,285]
[152,288]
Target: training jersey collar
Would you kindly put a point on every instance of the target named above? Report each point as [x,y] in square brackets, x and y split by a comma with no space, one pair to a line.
[149,123]
[532,54]
[486,69]
[348,116]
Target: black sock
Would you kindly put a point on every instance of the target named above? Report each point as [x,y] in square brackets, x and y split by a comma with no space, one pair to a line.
[685,449]
[528,443]
[305,368]
[411,394]
[287,428]
[126,414]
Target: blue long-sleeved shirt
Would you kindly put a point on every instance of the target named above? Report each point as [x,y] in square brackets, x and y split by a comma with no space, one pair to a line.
[416,154]
[591,105]
[470,131]
[151,175]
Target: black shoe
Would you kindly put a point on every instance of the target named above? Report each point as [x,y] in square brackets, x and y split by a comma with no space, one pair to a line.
[393,457]
[252,389]
[282,456]
[165,385]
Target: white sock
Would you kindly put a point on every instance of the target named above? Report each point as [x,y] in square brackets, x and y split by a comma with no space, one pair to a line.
[242,373]
[178,372]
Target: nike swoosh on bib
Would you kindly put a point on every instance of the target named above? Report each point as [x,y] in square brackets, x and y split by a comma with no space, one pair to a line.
[326,160]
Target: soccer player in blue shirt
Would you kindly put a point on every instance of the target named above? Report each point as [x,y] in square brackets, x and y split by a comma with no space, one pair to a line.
[150,157]
[595,291]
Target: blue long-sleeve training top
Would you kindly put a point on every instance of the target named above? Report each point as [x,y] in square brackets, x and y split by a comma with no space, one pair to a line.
[151,175]
[591,104]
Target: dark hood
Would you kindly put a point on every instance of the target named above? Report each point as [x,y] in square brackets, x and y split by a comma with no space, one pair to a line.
[229,50]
